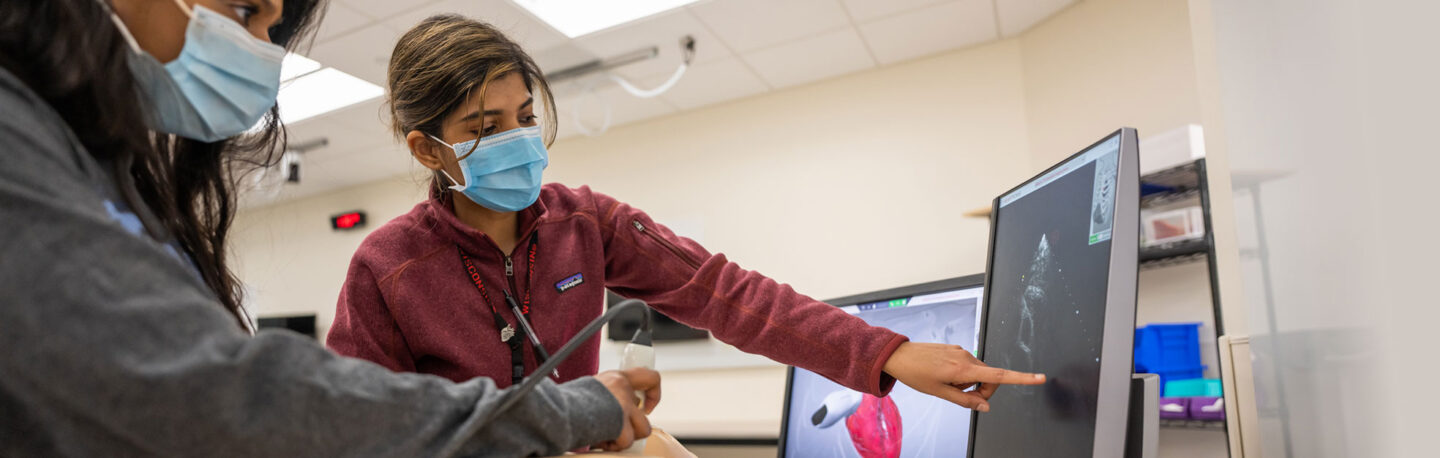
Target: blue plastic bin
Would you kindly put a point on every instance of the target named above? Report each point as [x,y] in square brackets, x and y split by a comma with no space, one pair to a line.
[1194,387]
[1171,350]
[1167,346]
[1168,376]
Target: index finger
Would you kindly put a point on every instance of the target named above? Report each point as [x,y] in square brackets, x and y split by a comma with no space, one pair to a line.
[652,398]
[1005,376]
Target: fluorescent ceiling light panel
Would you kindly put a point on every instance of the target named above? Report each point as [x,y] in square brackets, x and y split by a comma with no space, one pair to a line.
[296,65]
[322,91]
[579,17]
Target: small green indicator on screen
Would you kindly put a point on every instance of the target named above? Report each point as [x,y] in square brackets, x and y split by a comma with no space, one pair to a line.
[898,303]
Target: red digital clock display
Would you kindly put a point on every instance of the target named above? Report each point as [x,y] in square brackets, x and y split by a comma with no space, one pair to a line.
[347,221]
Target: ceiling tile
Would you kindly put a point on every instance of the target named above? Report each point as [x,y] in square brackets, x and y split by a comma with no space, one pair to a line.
[662,31]
[380,9]
[265,186]
[865,10]
[258,189]
[318,178]
[319,175]
[370,116]
[570,88]
[340,19]
[812,59]
[347,130]
[364,165]
[711,83]
[744,48]
[589,108]
[747,25]
[532,35]
[626,108]
[562,57]
[930,30]
[364,53]
[1017,16]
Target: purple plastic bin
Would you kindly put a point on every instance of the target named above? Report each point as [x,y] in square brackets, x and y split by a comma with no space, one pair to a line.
[1207,408]
[1175,408]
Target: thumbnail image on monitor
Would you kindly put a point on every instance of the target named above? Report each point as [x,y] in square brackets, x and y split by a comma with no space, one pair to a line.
[1060,300]
[822,418]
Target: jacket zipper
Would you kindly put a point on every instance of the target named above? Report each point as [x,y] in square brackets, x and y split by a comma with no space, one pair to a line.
[510,267]
[665,243]
[510,274]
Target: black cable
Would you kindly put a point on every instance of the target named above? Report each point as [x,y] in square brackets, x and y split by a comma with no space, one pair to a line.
[514,394]
[642,335]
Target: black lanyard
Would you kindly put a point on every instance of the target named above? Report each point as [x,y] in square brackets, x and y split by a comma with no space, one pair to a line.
[506,330]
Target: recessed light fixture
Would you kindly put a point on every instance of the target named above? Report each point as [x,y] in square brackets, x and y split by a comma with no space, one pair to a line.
[322,91]
[579,17]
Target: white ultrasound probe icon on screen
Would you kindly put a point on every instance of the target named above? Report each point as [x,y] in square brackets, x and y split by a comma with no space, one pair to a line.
[836,407]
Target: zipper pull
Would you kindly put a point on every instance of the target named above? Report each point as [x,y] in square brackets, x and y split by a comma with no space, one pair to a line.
[638,226]
[509,267]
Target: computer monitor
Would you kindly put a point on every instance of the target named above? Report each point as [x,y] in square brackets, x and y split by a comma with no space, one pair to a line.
[1060,300]
[303,324]
[822,418]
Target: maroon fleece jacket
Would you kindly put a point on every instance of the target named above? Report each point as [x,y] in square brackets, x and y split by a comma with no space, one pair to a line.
[409,304]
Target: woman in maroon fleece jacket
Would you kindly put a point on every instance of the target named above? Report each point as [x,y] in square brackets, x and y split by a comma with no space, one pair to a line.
[428,291]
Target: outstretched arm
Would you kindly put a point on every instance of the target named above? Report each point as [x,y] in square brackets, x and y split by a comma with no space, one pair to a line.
[756,314]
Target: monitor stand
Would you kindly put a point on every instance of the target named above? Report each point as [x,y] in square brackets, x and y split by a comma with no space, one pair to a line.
[1142,431]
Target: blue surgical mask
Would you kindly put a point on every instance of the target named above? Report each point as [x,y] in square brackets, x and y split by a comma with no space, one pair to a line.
[502,171]
[224,81]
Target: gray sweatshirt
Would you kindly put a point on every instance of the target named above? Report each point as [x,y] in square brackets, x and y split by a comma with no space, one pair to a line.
[110,345]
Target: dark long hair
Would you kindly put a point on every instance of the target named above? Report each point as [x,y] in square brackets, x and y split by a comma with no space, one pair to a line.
[70,53]
[438,63]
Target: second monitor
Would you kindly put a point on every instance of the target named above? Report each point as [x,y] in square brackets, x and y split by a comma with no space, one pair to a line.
[823,418]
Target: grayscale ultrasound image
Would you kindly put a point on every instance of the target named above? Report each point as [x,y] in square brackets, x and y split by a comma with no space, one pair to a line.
[1047,311]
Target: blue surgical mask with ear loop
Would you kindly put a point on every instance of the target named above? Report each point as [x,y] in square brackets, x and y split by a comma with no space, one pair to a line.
[502,171]
[222,83]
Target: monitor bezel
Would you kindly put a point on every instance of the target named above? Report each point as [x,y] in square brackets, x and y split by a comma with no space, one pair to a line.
[1117,343]
[949,284]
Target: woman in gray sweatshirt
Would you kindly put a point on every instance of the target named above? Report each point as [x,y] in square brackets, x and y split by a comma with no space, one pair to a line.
[120,323]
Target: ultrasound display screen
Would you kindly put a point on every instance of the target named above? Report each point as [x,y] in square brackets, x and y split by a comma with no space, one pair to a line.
[1046,308]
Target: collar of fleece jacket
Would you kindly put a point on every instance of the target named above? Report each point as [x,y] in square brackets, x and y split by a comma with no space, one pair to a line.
[469,238]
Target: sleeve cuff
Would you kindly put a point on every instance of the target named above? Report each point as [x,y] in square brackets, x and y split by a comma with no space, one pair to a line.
[878,381]
[594,415]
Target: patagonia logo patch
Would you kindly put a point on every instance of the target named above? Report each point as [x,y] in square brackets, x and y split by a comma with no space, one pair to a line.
[570,282]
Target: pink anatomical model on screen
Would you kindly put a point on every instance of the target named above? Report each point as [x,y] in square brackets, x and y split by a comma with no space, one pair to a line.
[873,422]
[875,428]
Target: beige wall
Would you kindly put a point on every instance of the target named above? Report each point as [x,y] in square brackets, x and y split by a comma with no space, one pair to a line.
[292,262]
[843,186]
[1102,64]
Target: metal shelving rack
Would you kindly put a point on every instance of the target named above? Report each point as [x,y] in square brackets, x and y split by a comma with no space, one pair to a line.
[1180,183]
[1184,182]
[1193,424]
